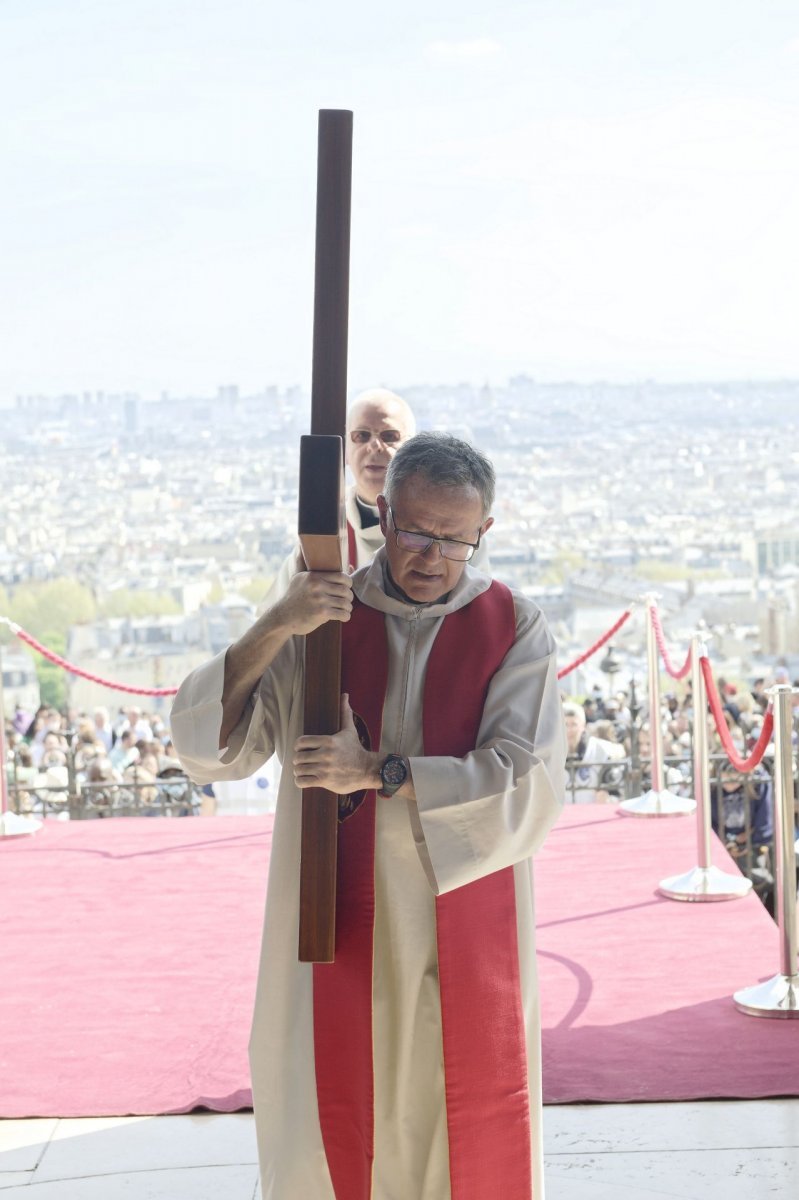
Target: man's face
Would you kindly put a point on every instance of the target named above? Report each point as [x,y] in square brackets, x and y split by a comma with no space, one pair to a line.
[443,512]
[574,730]
[367,455]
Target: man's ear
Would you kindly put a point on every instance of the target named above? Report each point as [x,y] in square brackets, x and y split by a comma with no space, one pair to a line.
[484,528]
[382,508]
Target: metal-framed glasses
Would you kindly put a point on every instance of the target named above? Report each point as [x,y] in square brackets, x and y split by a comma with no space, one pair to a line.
[362,437]
[420,543]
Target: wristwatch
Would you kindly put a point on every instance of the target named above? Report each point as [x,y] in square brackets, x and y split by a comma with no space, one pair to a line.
[393,773]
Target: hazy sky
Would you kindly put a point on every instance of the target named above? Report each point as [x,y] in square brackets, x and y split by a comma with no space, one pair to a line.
[568,188]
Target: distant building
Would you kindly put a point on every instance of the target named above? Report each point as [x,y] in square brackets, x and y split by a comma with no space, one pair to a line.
[20,682]
[131,409]
[773,548]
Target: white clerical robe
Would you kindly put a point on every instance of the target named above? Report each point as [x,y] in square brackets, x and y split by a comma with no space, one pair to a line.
[472,816]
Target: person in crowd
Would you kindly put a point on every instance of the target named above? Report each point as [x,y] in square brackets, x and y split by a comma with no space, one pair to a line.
[50,752]
[746,712]
[451,774]
[744,809]
[142,774]
[159,729]
[21,720]
[586,759]
[674,779]
[48,728]
[20,777]
[758,693]
[124,752]
[742,813]
[175,787]
[85,748]
[102,728]
[728,693]
[138,725]
[614,714]
[101,792]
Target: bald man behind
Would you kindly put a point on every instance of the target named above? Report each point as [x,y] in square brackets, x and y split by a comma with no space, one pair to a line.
[378,422]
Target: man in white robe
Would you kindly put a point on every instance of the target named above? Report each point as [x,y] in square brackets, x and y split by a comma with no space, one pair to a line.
[587,755]
[441,823]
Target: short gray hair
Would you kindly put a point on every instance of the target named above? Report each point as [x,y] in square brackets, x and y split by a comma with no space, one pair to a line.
[574,710]
[445,461]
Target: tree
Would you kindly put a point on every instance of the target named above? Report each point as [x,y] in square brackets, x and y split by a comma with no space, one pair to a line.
[52,606]
[52,678]
[129,602]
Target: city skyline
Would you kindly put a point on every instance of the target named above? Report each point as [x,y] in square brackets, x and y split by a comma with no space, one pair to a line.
[571,191]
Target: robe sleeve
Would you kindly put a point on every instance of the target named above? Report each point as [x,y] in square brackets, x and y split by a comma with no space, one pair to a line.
[196,718]
[494,807]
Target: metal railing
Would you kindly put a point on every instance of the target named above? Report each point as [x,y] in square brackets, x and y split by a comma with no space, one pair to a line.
[620,779]
[139,795]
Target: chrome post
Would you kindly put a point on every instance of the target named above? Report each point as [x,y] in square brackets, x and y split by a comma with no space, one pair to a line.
[779,996]
[658,801]
[704,882]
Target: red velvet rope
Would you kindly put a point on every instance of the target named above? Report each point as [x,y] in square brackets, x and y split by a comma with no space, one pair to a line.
[664,654]
[136,691]
[73,670]
[596,646]
[740,764]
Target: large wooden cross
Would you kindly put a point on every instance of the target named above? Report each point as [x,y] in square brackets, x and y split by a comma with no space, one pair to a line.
[322,522]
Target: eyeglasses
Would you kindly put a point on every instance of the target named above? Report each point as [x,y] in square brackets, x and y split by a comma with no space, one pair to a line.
[419,543]
[362,437]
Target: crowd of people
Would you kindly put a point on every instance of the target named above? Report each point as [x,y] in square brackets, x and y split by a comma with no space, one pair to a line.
[125,761]
[609,759]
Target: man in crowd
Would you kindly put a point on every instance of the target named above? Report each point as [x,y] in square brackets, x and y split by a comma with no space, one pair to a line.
[412,1063]
[587,755]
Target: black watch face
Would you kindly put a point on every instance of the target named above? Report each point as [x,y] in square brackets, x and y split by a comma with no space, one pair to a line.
[393,772]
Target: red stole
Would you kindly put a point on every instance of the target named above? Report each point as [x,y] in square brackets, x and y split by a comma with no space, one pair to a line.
[485,1055]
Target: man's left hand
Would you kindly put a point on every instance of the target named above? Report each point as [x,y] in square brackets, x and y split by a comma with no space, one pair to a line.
[339,762]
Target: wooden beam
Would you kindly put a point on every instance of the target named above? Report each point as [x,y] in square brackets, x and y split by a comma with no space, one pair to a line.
[322,523]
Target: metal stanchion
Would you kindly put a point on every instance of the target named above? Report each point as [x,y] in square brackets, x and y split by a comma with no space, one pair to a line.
[704,882]
[779,996]
[658,801]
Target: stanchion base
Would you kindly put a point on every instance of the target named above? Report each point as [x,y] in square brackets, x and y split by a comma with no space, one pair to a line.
[14,825]
[705,884]
[658,804]
[779,997]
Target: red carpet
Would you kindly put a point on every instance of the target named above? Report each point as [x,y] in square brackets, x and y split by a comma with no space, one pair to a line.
[130,950]
[636,989]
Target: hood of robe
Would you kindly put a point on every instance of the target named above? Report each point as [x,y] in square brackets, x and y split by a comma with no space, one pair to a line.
[373,587]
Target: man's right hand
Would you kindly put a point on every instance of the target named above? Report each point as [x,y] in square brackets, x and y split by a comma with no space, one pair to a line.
[312,599]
